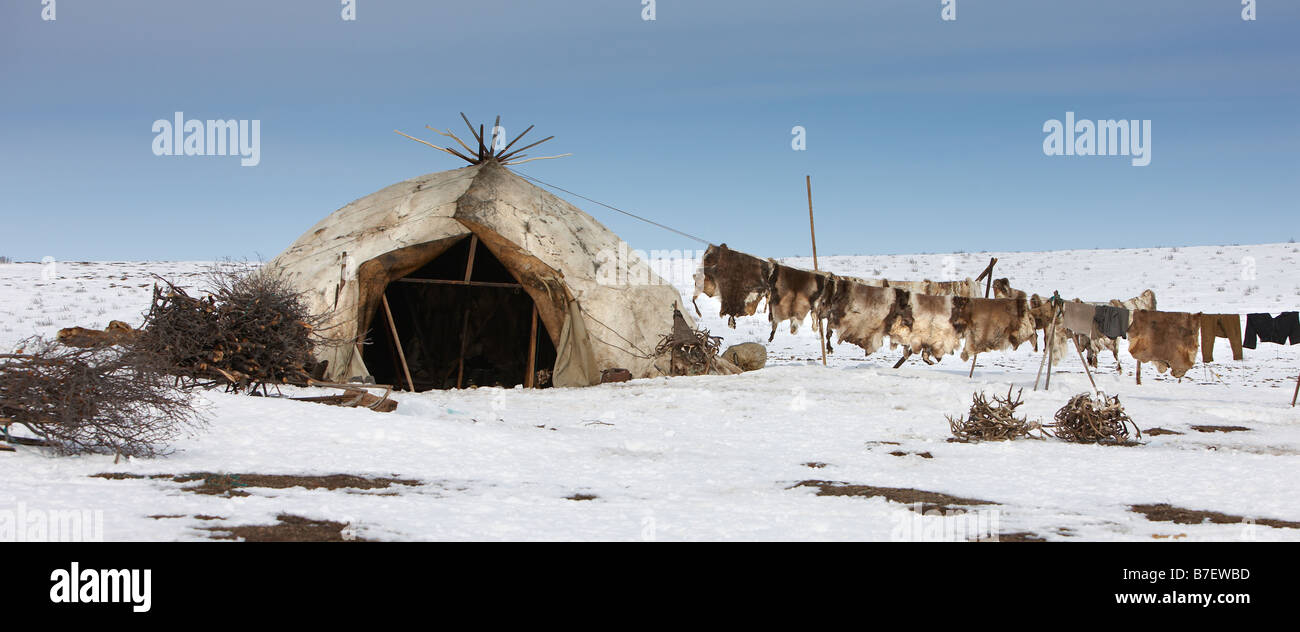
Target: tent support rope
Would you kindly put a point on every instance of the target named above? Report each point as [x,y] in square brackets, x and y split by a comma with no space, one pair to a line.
[632,215]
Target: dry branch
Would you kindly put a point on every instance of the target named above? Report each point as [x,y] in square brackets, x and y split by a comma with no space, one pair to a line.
[109,400]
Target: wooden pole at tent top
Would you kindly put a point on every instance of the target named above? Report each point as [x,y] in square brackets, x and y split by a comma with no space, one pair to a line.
[812,229]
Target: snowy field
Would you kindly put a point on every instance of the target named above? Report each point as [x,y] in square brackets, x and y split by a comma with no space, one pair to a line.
[720,457]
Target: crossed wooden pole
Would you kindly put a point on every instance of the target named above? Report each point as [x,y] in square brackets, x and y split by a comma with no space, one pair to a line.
[1058,312]
[987,277]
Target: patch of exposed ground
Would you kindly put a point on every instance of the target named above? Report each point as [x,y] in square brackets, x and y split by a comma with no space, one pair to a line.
[1220,428]
[924,455]
[582,497]
[1156,432]
[233,484]
[816,465]
[929,501]
[1163,512]
[290,528]
[1019,536]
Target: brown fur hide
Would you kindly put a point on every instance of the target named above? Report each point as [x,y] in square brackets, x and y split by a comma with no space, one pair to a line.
[739,281]
[793,293]
[993,324]
[861,313]
[1002,289]
[915,287]
[1167,339]
[967,288]
[925,326]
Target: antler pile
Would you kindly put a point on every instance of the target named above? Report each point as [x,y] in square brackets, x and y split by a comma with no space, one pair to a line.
[1093,420]
[992,422]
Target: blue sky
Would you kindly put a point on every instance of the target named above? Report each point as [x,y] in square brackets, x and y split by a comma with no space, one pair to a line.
[922,135]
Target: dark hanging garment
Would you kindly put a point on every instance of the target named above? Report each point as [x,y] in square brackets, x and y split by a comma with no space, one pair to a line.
[1111,322]
[1263,327]
[1289,323]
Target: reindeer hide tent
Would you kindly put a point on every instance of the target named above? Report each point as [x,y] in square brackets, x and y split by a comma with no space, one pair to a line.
[461,259]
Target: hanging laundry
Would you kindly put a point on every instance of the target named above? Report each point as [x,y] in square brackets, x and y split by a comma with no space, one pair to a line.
[1078,317]
[1220,326]
[1112,322]
[1167,339]
[739,281]
[1286,326]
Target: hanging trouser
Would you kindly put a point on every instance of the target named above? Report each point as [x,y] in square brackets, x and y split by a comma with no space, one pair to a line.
[1220,326]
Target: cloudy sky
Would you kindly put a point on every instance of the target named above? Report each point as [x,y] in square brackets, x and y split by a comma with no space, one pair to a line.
[923,135]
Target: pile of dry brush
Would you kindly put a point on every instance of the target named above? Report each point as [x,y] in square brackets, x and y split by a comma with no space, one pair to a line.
[249,330]
[110,400]
[128,394]
[995,421]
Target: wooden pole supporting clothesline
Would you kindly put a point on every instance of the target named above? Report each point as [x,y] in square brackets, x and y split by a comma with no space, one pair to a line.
[988,287]
[1047,352]
[1058,305]
[812,229]
[1087,369]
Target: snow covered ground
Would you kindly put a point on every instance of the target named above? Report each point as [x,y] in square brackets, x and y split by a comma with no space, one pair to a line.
[720,457]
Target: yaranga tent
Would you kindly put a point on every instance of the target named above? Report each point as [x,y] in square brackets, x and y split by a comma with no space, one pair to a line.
[489,280]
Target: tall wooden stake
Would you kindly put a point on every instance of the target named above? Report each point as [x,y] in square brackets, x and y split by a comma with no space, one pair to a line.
[1297,391]
[1047,352]
[812,229]
[397,342]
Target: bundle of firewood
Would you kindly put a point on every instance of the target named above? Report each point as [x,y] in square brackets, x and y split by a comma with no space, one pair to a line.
[994,421]
[249,330]
[690,351]
[1086,419]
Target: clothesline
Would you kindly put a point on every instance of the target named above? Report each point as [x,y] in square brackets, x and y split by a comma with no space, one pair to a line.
[864,311]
